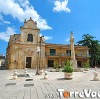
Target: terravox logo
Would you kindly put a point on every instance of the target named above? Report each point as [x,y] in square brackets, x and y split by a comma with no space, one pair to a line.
[86,93]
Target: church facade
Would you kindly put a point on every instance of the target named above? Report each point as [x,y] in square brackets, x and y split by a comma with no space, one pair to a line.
[22,50]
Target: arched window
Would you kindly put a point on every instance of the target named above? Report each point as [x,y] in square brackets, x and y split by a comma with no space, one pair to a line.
[30,38]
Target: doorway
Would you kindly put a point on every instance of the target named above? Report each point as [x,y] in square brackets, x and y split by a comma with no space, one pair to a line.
[28,62]
[50,63]
[79,63]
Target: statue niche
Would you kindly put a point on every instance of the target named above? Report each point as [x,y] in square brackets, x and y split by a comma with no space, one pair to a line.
[30,38]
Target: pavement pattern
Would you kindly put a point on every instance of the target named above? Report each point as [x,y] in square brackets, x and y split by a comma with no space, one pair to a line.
[35,87]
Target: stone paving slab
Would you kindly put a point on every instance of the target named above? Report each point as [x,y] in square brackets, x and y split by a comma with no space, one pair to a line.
[42,87]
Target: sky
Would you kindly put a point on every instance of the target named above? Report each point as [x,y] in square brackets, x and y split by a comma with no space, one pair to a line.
[55,18]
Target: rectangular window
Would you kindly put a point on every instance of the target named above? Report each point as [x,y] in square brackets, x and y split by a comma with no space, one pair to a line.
[81,53]
[52,51]
[68,52]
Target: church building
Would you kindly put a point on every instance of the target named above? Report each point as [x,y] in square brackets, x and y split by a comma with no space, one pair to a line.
[29,50]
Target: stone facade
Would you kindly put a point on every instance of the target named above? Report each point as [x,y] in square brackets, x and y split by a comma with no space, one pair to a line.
[21,50]
[63,52]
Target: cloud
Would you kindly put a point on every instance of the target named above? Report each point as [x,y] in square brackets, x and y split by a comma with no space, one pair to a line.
[21,9]
[1,17]
[3,21]
[6,22]
[46,37]
[61,6]
[67,40]
[6,35]
[23,3]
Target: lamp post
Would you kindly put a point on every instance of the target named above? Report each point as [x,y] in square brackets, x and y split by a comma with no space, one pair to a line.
[37,51]
[40,51]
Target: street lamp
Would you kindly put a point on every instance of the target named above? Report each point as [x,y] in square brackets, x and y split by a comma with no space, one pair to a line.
[37,51]
[40,50]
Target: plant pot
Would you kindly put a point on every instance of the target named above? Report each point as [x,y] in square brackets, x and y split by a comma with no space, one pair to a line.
[52,70]
[57,69]
[86,69]
[68,75]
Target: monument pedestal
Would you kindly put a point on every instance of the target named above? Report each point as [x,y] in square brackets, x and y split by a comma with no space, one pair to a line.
[74,63]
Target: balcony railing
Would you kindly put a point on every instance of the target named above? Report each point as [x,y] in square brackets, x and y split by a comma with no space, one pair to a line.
[57,54]
[67,55]
[52,54]
[82,55]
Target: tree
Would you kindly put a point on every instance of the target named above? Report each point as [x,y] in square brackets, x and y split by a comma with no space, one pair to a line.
[88,40]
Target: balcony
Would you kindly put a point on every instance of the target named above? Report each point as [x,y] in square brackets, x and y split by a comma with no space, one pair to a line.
[82,55]
[52,54]
[58,54]
[65,54]
[68,55]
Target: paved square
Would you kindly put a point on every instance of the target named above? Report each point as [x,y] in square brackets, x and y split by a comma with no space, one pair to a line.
[38,88]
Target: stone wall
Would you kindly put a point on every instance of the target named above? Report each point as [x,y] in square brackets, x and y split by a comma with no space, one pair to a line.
[19,48]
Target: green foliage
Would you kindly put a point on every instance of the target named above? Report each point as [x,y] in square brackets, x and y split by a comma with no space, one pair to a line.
[68,67]
[56,65]
[93,45]
[86,40]
[86,65]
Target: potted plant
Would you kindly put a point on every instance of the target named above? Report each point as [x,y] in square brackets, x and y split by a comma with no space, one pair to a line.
[54,68]
[57,67]
[86,66]
[68,70]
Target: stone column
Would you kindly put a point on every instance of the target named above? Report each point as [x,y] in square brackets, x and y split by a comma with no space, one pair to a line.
[73,61]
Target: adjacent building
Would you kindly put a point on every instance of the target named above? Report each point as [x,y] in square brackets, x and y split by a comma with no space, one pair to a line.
[58,53]
[2,60]
[22,50]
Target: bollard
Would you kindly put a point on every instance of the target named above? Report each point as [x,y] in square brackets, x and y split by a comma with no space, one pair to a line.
[25,71]
[95,68]
[95,78]
[45,75]
[41,71]
[15,74]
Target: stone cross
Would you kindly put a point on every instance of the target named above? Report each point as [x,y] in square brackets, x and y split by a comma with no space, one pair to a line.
[73,61]
[72,46]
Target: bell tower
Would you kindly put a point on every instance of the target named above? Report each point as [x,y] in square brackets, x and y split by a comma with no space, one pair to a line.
[30,40]
[29,32]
